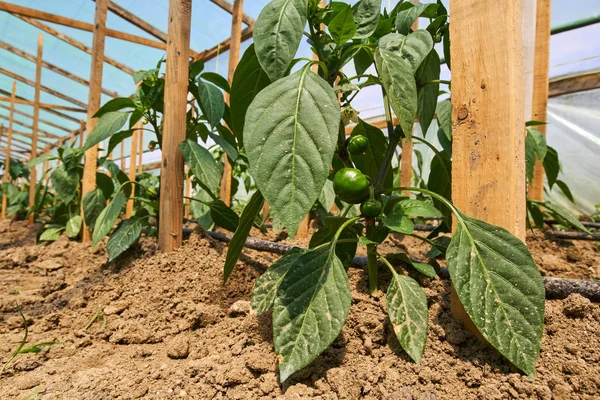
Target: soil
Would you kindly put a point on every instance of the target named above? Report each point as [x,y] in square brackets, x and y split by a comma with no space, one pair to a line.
[173,331]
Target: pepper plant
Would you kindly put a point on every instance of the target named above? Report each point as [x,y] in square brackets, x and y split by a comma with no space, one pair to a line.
[290,123]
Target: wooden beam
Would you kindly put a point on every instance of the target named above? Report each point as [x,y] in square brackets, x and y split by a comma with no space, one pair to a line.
[46,105]
[227,6]
[6,175]
[67,39]
[73,23]
[540,88]
[44,135]
[82,132]
[88,182]
[46,89]
[225,45]
[49,123]
[488,164]
[36,121]
[176,89]
[30,136]
[574,84]
[234,56]
[132,168]
[52,67]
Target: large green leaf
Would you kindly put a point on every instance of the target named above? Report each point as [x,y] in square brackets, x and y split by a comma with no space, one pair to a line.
[444,117]
[419,208]
[211,102]
[126,234]
[398,221]
[342,27]
[344,251]
[241,233]
[366,16]
[93,204]
[440,179]
[427,93]
[407,307]
[113,105]
[541,147]
[311,307]
[65,182]
[423,268]
[216,79]
[51,234]
[564,217]
[551,166]
[530,157]
[73,226]
[406,17]
[204,167]
[107,218]
[370,162]
[109,123]
[290,136]
[265,288]
[500,287]
[249,79]
[397,58]
[223,216]
[38,160]
[277,35]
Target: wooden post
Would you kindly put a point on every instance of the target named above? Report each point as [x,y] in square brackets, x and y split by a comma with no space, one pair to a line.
[234,56]
[488,165]
[407,147]
[36,116]
[6,176]
[122,156]
[91,155]
[141,152]
[45,164]
[81,132]
[540,87]
[132,169]
[188,193]
[176,84]
[72,138]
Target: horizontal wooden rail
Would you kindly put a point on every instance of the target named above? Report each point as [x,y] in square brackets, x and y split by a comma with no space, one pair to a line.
[45,105]
[223,46]
[52,67]
[574,84]
[227,6]
[42,87]
[58,113]
[24,125]
[73,23]
[67,39]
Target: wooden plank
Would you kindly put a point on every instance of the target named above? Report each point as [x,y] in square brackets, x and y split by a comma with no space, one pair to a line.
[574,84]
[540,88]
[188,193]
[52,67]
[73,23]
[488,164]
[30,136]
[57,113]
[6,176]
[176,88]
[88,182]
[140,23]
[67,39]
[227,6]
[223,46]
[36,121]
[46,89]
[72,138]
[132,169]
[42,134]
[50,123]
[46,105]
[122,156]
[82,126]
[234,57]
[141,153]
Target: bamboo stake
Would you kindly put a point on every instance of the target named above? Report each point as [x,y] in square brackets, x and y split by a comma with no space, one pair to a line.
[88,183]
[6,176]
[36,113]
[540,87]
[176,88]
[488,165]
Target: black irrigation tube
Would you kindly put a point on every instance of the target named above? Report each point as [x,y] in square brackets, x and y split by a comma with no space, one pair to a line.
[571,235]
[556,288]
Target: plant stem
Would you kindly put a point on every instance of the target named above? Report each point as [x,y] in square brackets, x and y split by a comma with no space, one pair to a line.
[372,265]
[393,143]
[342,151]
[442,81]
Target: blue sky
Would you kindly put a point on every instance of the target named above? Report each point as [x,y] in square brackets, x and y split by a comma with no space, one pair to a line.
[570,52]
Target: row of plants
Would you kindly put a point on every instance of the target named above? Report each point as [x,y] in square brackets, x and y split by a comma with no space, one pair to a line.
[284,135]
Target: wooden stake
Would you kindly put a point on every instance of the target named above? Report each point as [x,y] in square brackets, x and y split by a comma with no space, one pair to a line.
[176,88]
[488,165]
[122,156]
[234,56]
[88,183]
[141,152]
[540,87]
[36,113]
[81,133]
[6,176]
[72,139]
[188,193]
[132,169]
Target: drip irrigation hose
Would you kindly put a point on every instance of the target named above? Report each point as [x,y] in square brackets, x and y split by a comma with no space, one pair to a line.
[556,288]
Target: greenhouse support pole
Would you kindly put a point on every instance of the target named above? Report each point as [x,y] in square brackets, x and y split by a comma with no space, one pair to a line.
[36,120]
[81,132]
[88,183]
[234,56]
[11,117]
[188,193]
[541,87]
[132,166]
[488,165]
[72,138]
[122,155]
[176,89]
[407,148]
[141,151]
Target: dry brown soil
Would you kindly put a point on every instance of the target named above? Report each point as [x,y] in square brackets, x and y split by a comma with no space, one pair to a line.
[174,332]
